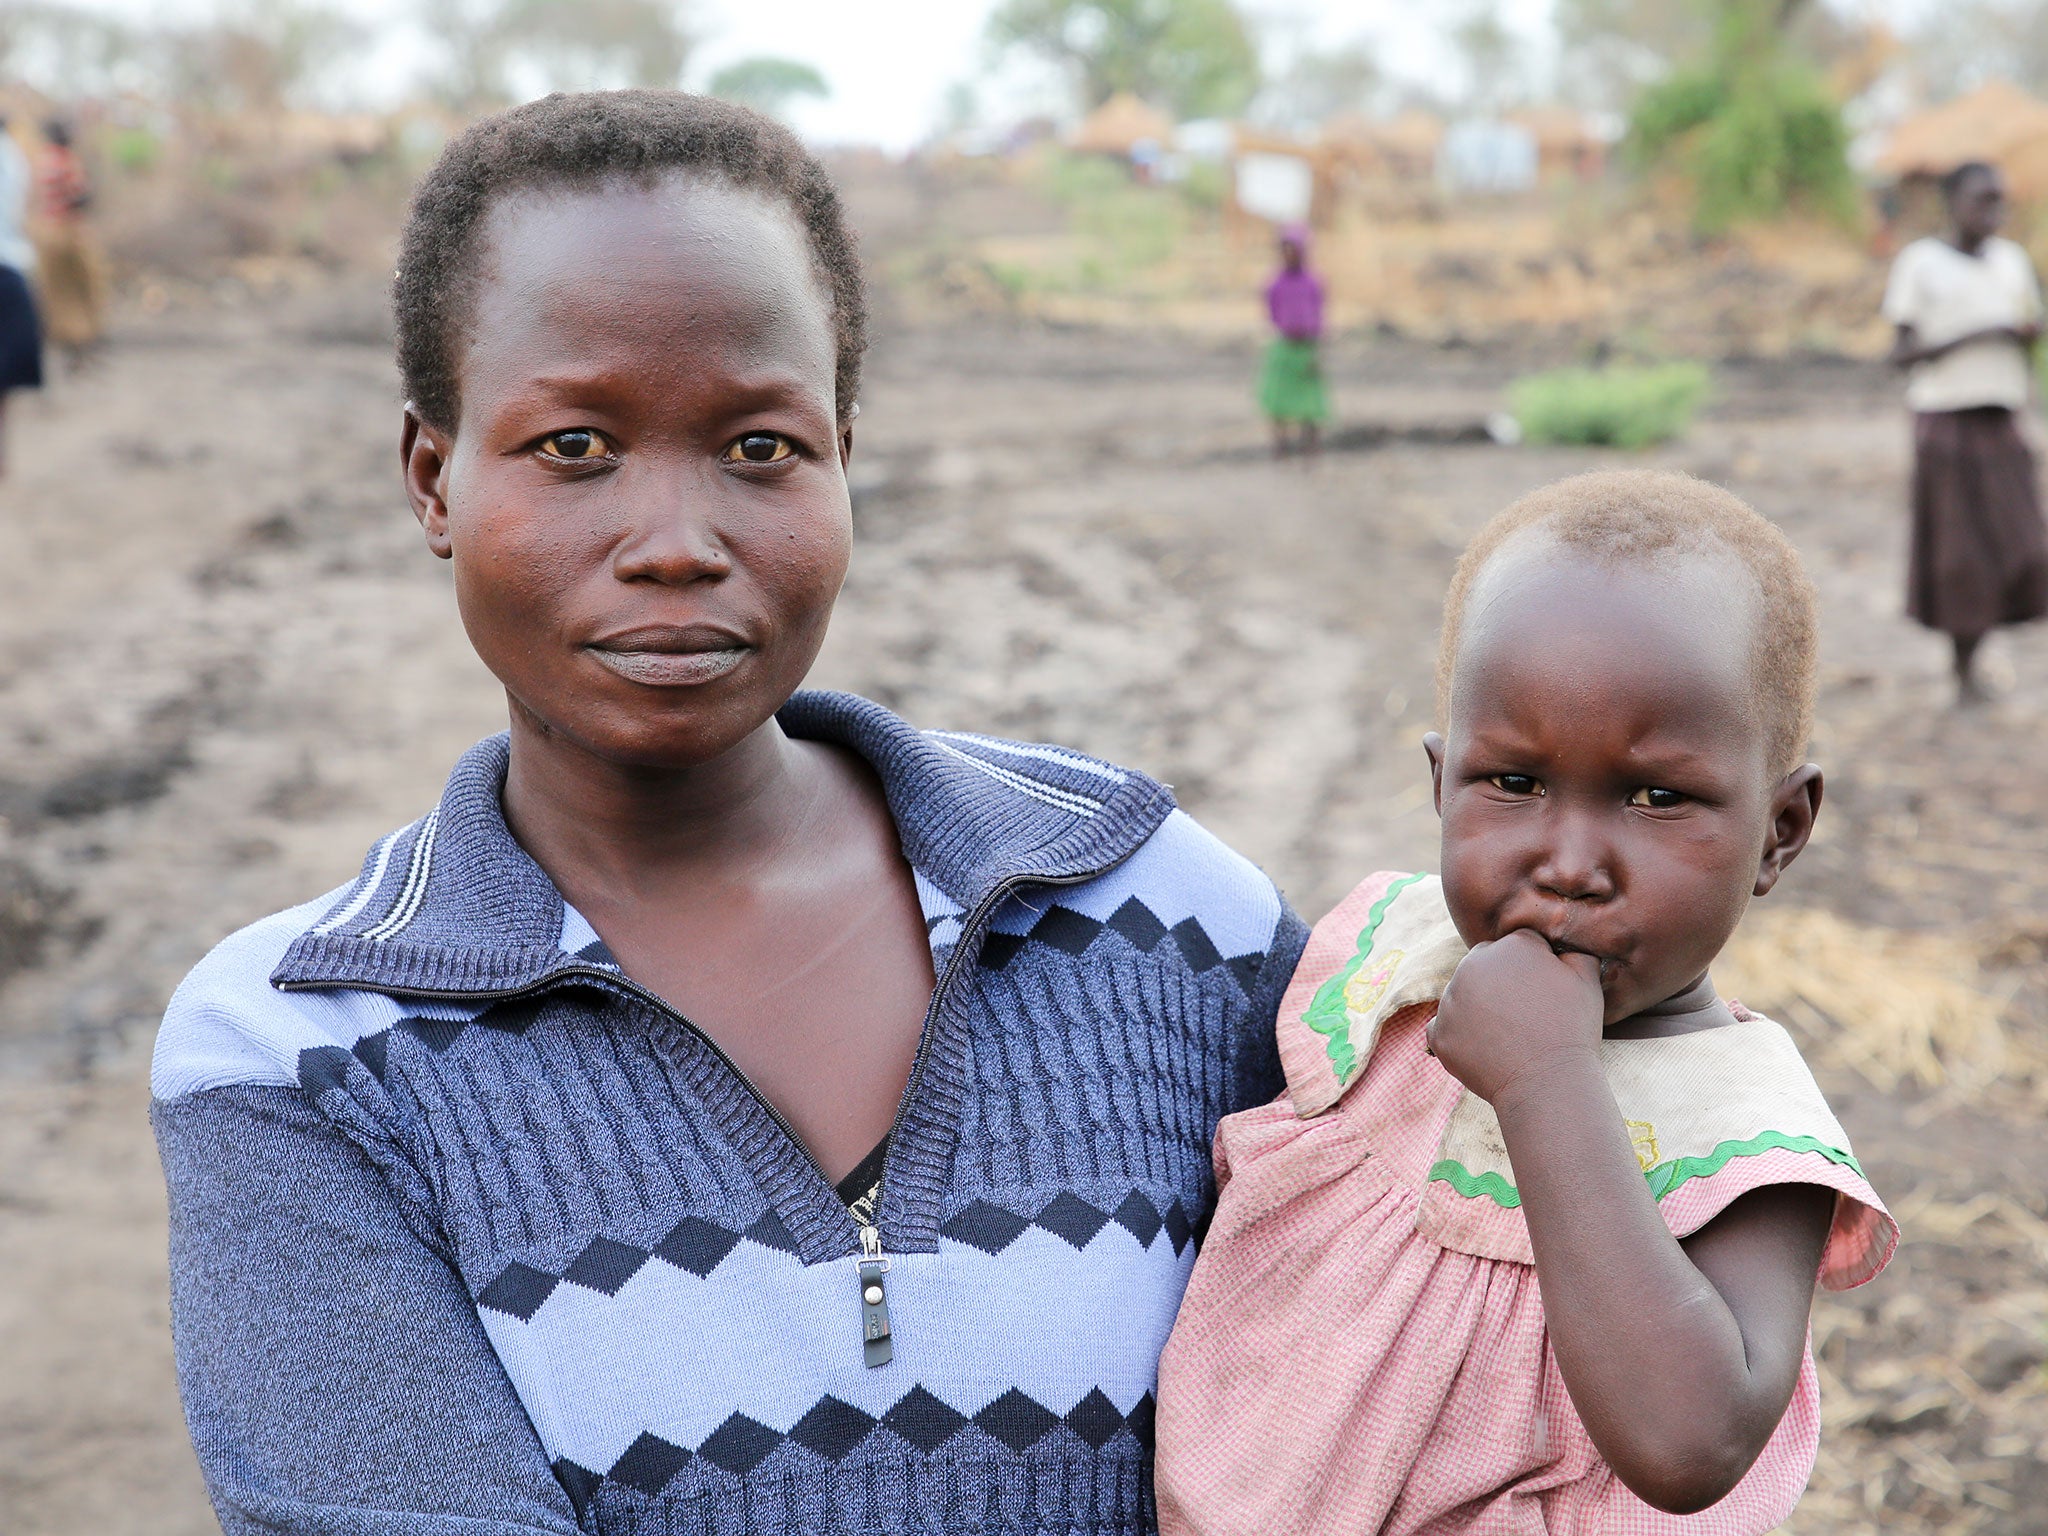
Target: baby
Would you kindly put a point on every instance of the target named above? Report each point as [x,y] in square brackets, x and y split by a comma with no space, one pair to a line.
[1529,1245]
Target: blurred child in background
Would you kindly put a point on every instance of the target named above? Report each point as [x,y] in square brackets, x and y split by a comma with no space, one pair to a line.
[21,347]
[71,273]
[1968,312]
[1291,381]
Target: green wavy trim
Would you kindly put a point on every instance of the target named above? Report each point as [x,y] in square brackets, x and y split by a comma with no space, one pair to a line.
[1666,1177]
[1326,1013]
[1663,1178]
[1472,1185]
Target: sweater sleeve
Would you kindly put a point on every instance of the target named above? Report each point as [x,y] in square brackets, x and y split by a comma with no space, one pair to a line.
[336,1379]
[1258,1078]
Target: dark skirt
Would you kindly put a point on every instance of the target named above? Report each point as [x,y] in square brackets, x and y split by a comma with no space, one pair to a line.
[1980,550]
[21,337]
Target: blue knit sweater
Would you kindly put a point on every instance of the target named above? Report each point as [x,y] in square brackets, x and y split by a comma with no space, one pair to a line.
[469,1234]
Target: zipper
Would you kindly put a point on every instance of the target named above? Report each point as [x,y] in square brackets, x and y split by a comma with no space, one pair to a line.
[872,1264]
[877,1348]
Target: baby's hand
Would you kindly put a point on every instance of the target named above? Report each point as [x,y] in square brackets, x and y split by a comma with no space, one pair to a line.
[1514,1010]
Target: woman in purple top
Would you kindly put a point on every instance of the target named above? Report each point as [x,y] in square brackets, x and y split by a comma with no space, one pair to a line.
[1291,379]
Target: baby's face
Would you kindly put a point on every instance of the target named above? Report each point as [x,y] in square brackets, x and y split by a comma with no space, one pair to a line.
[1603,780]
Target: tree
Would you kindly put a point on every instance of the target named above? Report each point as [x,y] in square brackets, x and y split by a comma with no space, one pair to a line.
[261,55]
[1609,50]
[1319,84]
[1193,56]
[1751,125]
[1492,56]
[1960,45]
[768,84]
[583,45]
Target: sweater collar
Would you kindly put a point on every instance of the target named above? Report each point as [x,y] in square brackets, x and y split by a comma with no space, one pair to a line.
[453,905]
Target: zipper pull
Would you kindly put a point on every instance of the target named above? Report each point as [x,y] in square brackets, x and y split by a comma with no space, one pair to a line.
[874,1300]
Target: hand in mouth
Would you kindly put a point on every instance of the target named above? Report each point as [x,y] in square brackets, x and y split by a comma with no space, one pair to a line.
[671,656]
[1566,947]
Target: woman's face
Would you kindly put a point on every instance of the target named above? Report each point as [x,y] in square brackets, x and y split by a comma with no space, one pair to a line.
[1978,205]
[645,494]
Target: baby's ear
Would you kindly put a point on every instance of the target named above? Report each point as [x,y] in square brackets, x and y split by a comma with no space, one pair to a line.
[1433,747]
[1795,804]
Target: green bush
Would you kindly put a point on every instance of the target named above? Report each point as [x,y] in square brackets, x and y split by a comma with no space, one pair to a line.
[1620,407]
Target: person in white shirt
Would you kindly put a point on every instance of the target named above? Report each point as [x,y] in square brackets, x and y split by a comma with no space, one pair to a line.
[1968,311]
[21,332]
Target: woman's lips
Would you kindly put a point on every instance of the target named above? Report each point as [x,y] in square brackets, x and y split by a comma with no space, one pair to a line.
[671,658]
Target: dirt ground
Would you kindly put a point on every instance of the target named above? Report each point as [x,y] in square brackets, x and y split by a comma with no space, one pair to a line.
[226,665]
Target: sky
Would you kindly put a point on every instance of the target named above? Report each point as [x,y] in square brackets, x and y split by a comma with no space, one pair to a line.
[890,64]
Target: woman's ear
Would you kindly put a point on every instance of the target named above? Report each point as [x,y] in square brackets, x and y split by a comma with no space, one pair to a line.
[424,453]
[1433,747]
[1795,803]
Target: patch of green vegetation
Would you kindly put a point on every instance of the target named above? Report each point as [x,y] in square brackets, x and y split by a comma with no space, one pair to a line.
[1619,407]
[1121,228]
[1752,127]
[132,150]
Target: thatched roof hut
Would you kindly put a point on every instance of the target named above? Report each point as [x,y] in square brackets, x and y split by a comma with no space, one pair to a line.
[1120,125]
[1998,122]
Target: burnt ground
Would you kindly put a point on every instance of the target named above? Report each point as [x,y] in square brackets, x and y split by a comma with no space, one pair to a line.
[226,666]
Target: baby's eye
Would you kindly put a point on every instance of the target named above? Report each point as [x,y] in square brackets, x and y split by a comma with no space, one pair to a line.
[1515,784]
[578,444]
[759,448]
[1657,799]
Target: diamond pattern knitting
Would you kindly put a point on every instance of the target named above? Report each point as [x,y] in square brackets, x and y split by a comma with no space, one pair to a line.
[606,1264]
[1071,932]
[1071,1219]
[834,1429]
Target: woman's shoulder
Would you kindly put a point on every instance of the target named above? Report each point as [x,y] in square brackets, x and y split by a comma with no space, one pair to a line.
[229,1025]
[226,1025]
[969,802]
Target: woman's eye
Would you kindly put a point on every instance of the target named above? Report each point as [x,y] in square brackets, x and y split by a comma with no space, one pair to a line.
[1515,784]
[759,448]
[576,445]
[1657,799]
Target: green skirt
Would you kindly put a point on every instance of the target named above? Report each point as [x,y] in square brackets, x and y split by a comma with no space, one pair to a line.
[1291,382]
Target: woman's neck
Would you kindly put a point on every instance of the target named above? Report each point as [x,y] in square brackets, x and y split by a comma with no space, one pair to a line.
[1969,245]
[586,819]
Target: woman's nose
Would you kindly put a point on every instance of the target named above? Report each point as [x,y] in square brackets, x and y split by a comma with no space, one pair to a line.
[672,540]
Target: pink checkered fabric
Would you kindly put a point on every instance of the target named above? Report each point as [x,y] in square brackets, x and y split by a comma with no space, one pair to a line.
[1335,1370]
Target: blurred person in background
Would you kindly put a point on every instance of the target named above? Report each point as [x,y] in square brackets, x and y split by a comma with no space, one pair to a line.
[1968,312]
[1291,379]
[21,346]
[70,271]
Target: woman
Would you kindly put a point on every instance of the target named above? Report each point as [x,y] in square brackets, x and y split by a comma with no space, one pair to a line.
[21,342]
[1968,313]
[728,1111]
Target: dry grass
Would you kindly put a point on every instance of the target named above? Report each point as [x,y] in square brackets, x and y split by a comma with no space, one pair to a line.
[1898,1009]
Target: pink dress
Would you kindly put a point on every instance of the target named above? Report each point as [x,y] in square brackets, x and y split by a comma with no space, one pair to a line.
[1362,1346]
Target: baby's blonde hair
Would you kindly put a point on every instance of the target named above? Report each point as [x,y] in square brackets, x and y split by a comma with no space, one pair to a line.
[1642,516]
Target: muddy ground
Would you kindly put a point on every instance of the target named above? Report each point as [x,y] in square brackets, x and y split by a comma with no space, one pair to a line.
[226,665]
